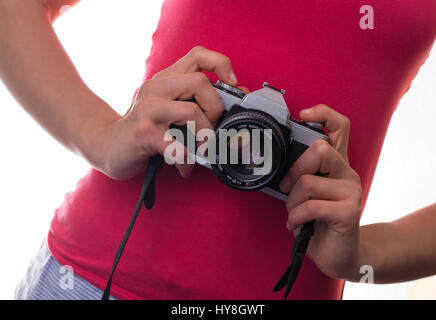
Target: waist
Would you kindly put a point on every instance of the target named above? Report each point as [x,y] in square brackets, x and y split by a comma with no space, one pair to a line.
[202,240]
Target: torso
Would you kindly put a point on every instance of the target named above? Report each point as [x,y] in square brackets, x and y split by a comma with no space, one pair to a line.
[203,240]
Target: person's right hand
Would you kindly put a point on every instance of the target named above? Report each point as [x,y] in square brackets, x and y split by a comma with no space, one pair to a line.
[131,140]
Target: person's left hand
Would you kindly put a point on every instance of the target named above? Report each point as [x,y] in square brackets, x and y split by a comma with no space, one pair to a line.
[332,199]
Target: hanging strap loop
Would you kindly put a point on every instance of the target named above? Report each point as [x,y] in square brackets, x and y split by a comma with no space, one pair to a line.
[298,253]
[147,197]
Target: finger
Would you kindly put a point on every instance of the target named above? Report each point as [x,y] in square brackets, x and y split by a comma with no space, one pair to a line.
[190,114]
[200,58]
[320,158]
[310,187]
[179,113]
[244,89]
[185,87]
[336,124]
[174,153]
[320,210]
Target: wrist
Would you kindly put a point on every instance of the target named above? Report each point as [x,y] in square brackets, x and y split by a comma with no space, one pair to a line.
[93,133]
[347,259]
[364,261]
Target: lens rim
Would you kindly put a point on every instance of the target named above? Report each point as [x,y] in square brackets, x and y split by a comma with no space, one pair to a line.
[257,120]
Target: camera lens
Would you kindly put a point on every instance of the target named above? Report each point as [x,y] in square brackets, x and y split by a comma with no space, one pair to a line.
[250,150]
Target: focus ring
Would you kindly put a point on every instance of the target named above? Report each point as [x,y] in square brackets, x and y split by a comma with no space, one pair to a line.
[246,181]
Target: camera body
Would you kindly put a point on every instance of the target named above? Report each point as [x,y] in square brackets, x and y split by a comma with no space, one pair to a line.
[261,110]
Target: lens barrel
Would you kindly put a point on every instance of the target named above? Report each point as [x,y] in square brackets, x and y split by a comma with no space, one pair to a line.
[250,150]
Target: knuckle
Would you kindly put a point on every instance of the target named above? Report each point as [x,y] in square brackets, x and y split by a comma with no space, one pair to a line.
[353,204]
[146,87]
[354,208]
[305,182]
[358,198]
[345,122]
[142,106]
[356,178]
[144,129]
[312,206]
[357,209]
[294,170]
[291,219]
[191,111]
[198,48]
[195,51]
[321,146]
[322,106]
[148,83]
[357,186]
[225,60]
[200,78]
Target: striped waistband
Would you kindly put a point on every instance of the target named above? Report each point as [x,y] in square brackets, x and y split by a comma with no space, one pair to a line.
[47,279]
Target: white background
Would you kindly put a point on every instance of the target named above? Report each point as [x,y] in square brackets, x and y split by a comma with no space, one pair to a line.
[109,45]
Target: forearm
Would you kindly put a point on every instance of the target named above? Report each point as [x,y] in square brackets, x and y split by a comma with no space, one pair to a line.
[42,78]
[401,250]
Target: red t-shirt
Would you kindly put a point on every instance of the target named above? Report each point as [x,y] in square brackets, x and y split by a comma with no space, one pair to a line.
[204,240]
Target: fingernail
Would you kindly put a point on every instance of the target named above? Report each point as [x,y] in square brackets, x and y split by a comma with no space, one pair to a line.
[232,77]
[285,184]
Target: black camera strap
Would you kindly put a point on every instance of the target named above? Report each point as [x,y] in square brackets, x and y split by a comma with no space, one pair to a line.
[147,197]
[297,256]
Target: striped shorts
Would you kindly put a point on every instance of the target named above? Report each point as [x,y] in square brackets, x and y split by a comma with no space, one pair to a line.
[47,279]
